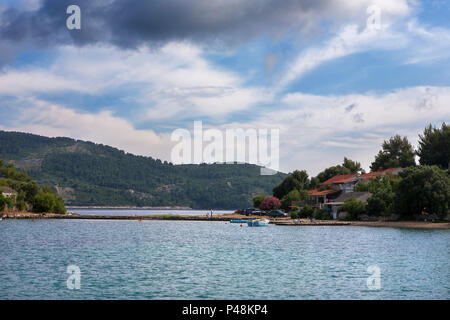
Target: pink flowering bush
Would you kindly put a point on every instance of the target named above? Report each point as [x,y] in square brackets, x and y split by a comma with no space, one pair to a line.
[270,203]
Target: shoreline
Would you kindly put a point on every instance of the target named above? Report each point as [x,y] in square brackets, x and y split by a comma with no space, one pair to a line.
[228,217]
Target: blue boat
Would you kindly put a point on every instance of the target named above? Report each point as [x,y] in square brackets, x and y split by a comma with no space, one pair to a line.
[238,221]
[258,223]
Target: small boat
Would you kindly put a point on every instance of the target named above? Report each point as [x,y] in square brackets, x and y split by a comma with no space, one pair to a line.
[258,223]
[238,221]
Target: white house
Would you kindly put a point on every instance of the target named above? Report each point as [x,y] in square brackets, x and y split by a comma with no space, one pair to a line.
[8,192]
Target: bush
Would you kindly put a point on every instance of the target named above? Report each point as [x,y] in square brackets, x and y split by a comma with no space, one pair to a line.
[270,203]
[380,203]
[48,202]
[2,202]
[307,211]
[21,205]
[294,215]
[323,215]
[44,202]
[354,207]
[59,205]
[258,199]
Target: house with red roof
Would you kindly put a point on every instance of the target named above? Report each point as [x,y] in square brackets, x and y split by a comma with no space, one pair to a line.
[342,184]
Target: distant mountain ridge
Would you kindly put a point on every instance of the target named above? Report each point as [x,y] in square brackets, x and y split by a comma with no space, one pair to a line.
[89,174]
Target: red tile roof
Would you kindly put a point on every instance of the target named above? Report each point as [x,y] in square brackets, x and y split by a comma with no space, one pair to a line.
[316,192]
[341,178]
[367,176]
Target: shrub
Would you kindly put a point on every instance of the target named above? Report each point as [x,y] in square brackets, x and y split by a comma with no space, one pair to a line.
[323,215]
[59,205]
[21,205]
[294,214]
[44,202]
[168,216]
[258,199]
[354,207]
[48,202]
[306,212]
[2,202]
[293,196]
[270,203]
[380,203]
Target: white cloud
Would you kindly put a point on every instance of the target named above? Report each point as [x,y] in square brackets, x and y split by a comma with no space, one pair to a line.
[172,80]
[315,131]
[176,81]
[427,43]
[43,118]
[318,131]
[348,41]
[415,42]
[13,82]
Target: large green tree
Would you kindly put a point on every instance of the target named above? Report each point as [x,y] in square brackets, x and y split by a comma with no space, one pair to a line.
[294,195]
[347,167]
[423,189]
[434,146]
[396,152]
[383,190]
[353,166]
[297,180]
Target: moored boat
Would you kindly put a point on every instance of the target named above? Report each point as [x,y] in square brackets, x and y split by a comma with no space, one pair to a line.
[258,223]
[238,221]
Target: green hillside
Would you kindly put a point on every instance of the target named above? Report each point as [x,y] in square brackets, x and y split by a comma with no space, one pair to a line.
[91,174]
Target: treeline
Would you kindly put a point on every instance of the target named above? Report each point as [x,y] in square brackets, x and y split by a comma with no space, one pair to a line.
[415,191]
[419,189]
[30,197]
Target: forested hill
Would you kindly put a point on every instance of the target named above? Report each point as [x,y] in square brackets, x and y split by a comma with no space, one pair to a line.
[86,173]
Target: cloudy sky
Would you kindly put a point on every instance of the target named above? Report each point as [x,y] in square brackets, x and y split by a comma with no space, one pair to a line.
[333,80]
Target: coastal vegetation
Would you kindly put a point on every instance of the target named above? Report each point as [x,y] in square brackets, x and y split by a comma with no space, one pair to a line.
[354,208]
[417,190]
[30,196]
[423,189]
[383,193]
[307,211]
[90,174]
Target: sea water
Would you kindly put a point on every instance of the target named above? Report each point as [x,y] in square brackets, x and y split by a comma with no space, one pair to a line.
[217,260]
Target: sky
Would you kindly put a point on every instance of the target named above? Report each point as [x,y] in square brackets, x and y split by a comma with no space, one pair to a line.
[335,77]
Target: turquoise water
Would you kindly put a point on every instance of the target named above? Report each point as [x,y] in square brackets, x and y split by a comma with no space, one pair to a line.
[215,260]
